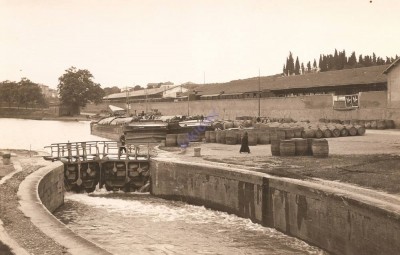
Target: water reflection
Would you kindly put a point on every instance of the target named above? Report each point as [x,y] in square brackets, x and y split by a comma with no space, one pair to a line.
[35,134]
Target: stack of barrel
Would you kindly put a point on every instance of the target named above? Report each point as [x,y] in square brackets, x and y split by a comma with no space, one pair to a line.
[328,130]
[368,124]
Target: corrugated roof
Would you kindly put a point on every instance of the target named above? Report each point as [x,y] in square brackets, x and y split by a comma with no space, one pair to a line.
[139,93]
[355,76]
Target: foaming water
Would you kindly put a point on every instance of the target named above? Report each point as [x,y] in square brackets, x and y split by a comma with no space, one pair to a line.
[131,223]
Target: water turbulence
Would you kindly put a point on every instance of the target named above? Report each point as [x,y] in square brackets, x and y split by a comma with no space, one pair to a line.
[137,223]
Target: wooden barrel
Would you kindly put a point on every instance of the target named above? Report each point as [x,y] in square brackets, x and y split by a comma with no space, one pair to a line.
[367,124]
[228,125]
[239,134]
[319,133]
[287,148]
[389,124]
[360,129]
[320,148]
[373,124]
[252,135]
[182,139]
[297,132]
[263,137]
[301,146]
[230,137]
[309,146]
[335,131]
[308,133]
[326,132]
[220,136]
[344,132]
[275,147]
[207,135]
[289,133]
[352,130]
[170,139]
[277,134]
[213,137]
[380,124]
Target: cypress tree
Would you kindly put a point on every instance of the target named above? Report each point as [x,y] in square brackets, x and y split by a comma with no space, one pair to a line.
[290,64]
[309,66]
[303,70]
[297,67]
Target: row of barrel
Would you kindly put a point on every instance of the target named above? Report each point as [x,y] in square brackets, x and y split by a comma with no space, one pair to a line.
[369,124]
[300,147]
[266,135]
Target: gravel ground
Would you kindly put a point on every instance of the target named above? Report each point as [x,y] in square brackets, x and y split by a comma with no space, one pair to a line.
[369,161]
[18,227]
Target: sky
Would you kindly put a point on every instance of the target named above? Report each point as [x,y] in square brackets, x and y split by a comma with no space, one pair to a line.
[125,43]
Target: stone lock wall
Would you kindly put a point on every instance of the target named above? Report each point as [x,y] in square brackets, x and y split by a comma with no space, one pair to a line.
[338,223]
[51,189]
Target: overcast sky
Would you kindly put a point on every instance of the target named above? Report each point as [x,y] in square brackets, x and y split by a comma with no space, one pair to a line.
[128,42]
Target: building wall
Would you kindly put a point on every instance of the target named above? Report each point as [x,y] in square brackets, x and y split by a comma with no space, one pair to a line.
[338,223]
[394,87]
[313,108]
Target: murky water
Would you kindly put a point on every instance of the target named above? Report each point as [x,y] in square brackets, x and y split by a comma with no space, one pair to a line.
[131,223]
[35,134]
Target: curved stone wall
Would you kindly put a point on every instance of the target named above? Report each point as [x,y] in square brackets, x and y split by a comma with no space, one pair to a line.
[40,194]
[338,221]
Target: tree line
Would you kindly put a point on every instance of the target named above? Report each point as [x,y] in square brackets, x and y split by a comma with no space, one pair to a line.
[75,89]
[336,61]
[24,93]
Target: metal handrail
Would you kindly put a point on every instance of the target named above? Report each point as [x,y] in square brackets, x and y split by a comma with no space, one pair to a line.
[94,151]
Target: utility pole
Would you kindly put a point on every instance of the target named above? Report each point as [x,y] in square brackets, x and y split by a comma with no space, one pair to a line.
[188,102]
[259,94]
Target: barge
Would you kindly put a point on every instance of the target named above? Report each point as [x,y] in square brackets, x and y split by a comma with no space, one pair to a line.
[138,131]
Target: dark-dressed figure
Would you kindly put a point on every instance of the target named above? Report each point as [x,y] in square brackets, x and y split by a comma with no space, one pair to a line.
[245,143]
[122,145]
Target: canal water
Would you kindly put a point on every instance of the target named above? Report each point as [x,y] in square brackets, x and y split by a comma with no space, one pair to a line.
[134,223]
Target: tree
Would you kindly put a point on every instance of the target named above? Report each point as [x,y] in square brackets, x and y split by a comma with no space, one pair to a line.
[297,67]
[290,64]
[29,94]
[137,87]
[303,70]
[76,89]
[309,66]
[112,90]
[352,62]
[8,92]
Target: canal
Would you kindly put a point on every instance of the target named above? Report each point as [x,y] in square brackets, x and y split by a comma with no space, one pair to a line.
[134,223]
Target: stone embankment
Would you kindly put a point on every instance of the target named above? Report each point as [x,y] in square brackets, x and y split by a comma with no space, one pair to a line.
[31,190]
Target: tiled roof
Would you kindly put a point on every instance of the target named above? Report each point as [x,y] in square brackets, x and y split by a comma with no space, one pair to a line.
[355,76]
